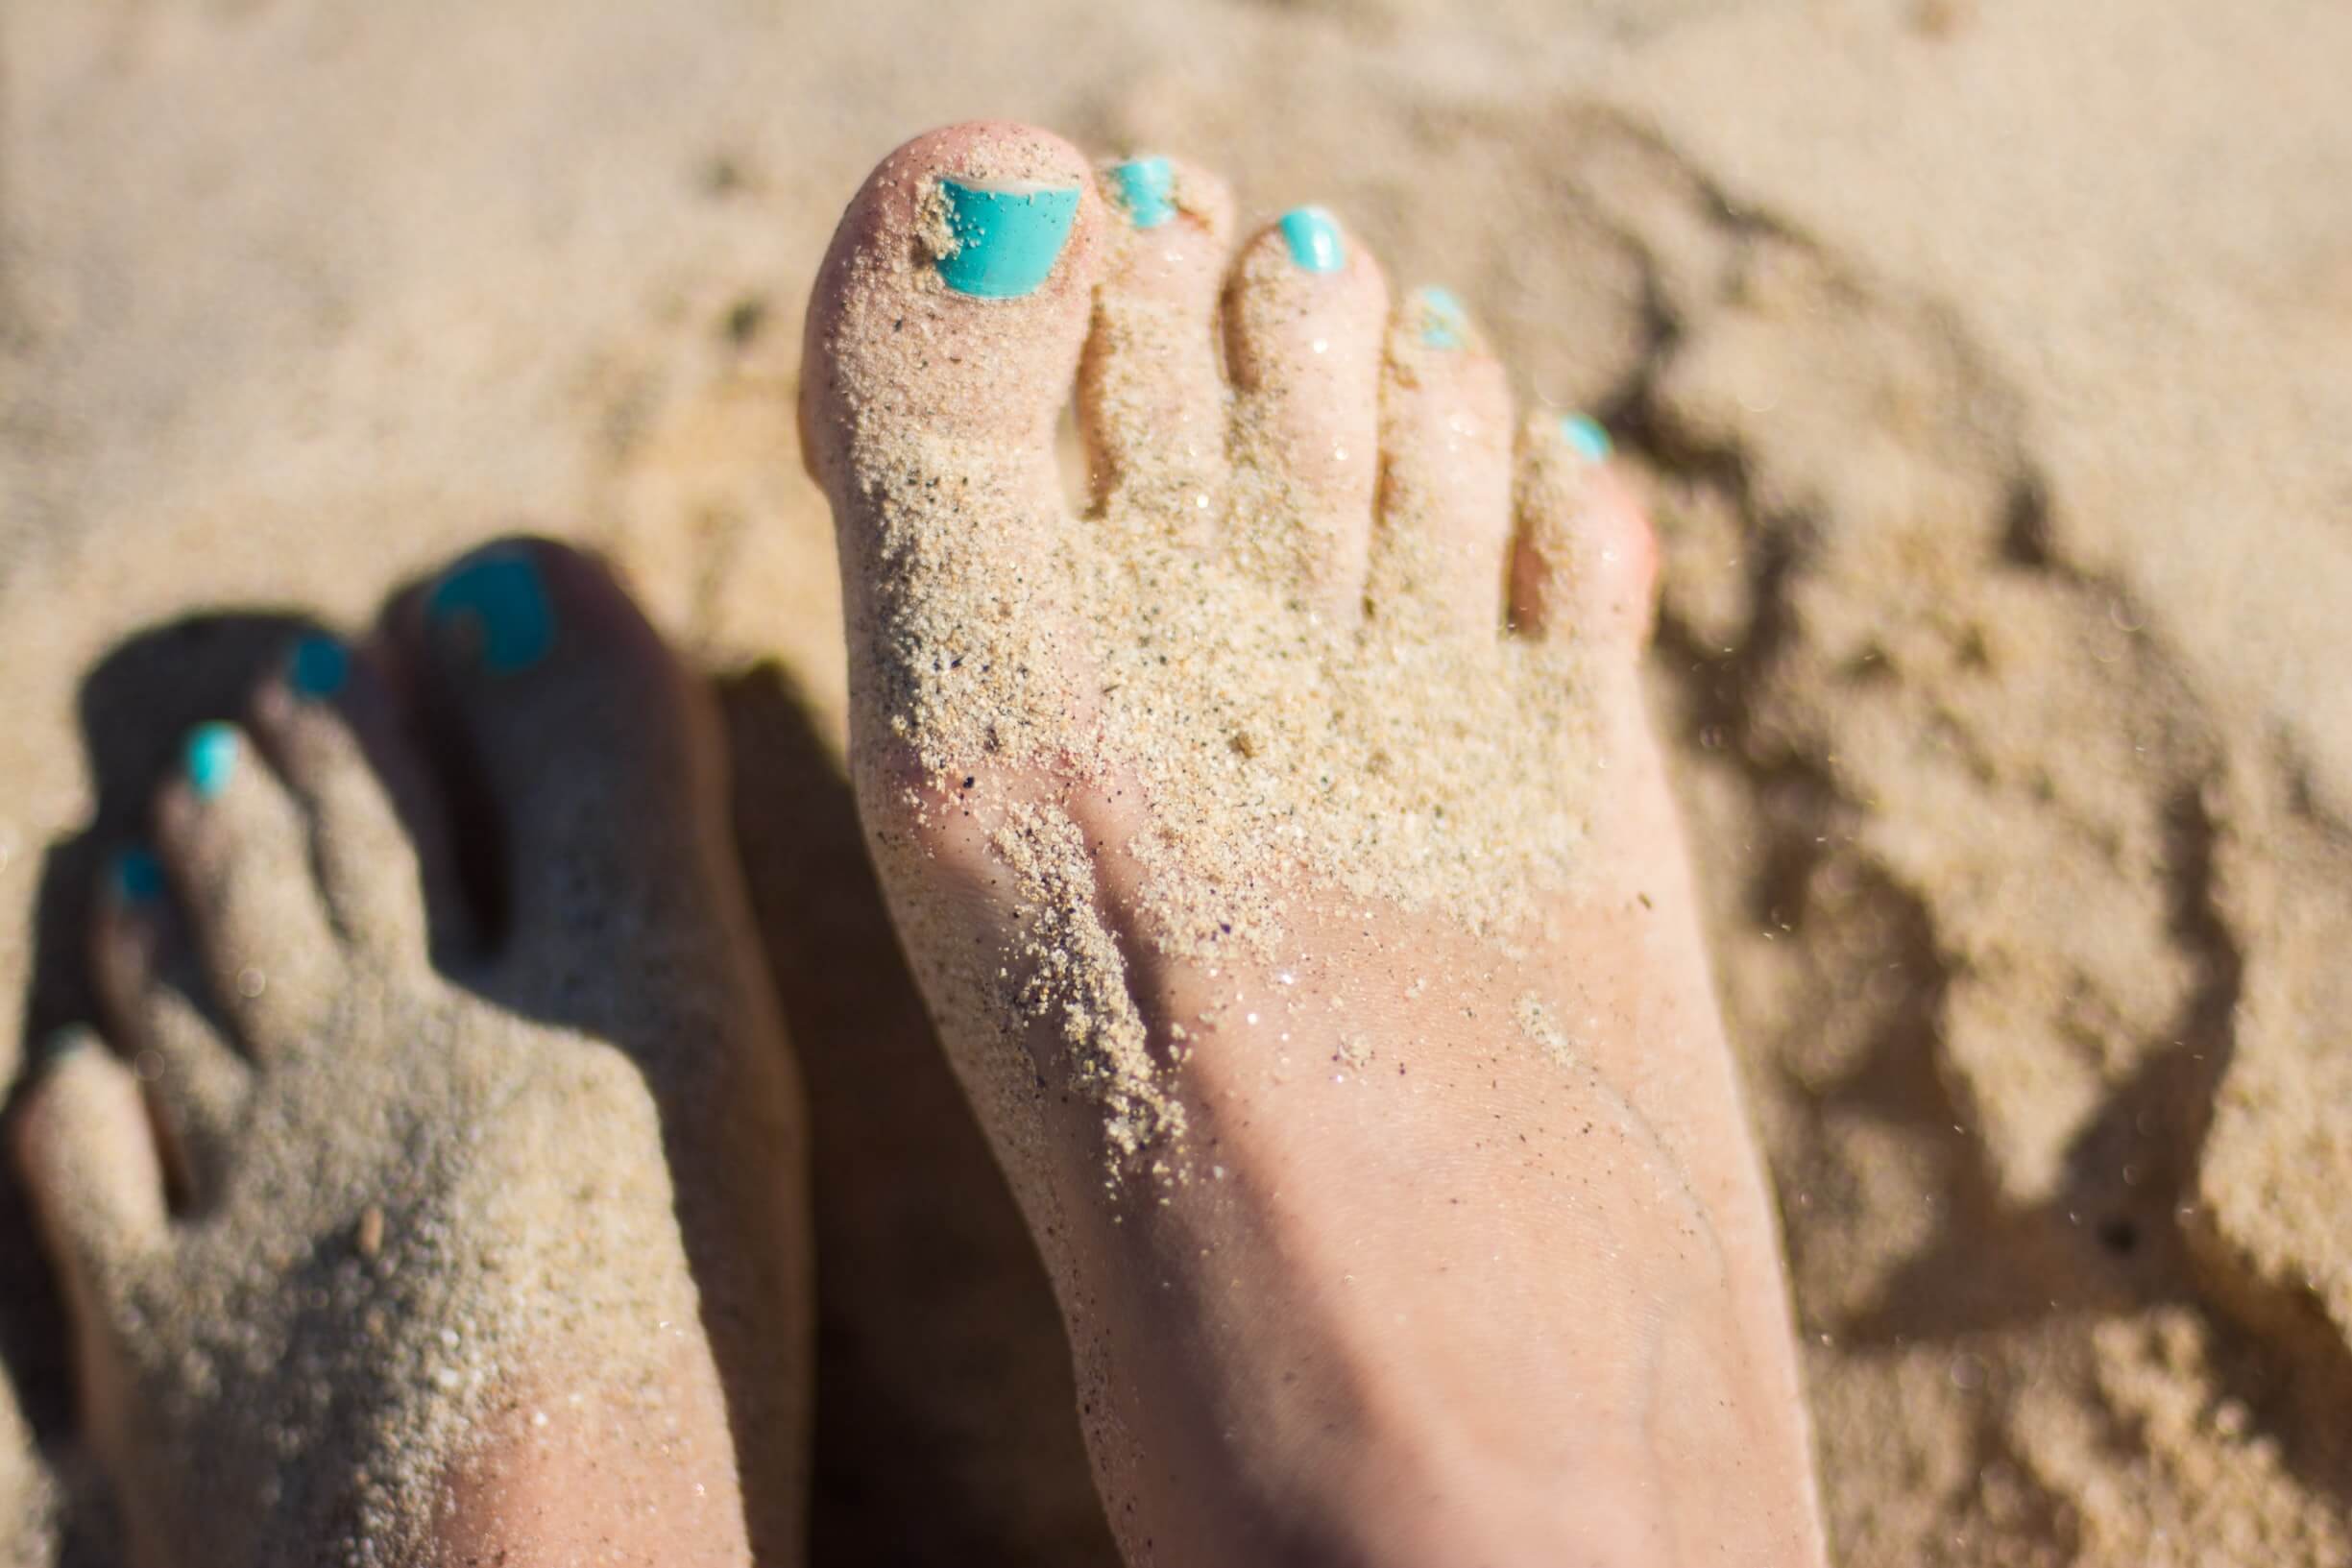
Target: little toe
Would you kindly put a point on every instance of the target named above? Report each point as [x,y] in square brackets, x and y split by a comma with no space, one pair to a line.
[379,829]
[943,335]
[1584,564]
[1305,312]
[588,757]
[1151,400]
[238,852]
[87,1155]
[1441,545]
[147,980]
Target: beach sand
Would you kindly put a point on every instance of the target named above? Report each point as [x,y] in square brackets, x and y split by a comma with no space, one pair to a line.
[1990,365]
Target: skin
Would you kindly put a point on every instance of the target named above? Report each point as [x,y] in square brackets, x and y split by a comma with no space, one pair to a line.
[1482,1311]
[607,981]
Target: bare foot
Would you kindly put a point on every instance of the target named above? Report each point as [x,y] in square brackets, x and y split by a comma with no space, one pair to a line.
[503,1263]
[1288,864]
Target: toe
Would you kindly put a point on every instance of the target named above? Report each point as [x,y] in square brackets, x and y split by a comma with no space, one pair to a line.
[1586,564]
[952,303]
[1305,313]
[584,756]
[88,1154]
[1440,547]
[380,831]
[238,851]
[943,335]
[147,980]
[1151,395]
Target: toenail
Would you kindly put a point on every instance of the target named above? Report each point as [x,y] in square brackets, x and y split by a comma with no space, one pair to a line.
[1146,187]
[56,1046]
[1002,242]
[318,667]
[1585,438]
[1314,239]
[495,609]
[135,875]
[1442,322]
[210,758]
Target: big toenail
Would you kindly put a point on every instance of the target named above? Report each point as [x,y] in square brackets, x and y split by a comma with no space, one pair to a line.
[135,875]
[318,667]
[1585,438]
[1146,188]
[211,759]
[1442,323]
[494,609]
[1314,239]
[1001,241]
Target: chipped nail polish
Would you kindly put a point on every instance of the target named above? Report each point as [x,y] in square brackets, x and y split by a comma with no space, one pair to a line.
[1314,239]
[1442,322]
[1585,438]
[495,609]
[1146,189]
[318,667]
[210,758]
[1003,240]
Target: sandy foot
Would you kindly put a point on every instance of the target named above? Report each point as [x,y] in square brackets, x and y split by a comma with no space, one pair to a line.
[435,1193]
[1283,850]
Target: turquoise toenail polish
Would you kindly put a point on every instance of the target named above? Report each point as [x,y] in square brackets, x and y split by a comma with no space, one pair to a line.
[318,667]
[497,602]
[1585,437]
[1444,323]
[1147,190]
[58,1045]
[1314,239]
[1007,240]
[135,875]
[211,759]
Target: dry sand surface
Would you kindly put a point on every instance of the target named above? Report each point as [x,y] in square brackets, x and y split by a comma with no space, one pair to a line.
[1991,363]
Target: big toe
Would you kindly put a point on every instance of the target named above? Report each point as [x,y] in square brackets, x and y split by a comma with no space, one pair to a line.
[581,759]
[943,338]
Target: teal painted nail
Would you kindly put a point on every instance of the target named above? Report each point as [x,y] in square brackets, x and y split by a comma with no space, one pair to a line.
[1007,241]
[59,1044]
[318,667]
[1147,190]
[210,758]
[1314,239]
[498,603]
[135,875]
[1443,324]
[1585,438]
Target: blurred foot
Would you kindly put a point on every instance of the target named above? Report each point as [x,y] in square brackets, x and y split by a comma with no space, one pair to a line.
[505,1261]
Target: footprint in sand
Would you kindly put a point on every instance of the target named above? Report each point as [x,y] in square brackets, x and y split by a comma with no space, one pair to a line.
[1286,859]
[505,1251]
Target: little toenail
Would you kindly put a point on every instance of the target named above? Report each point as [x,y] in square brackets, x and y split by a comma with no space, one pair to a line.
[1585,438]
[1003,241]
[58,1045]
[1444,323]
[496,608]
[211,759]
[1146,189]
[1314,239]
[135,875]
[318,667]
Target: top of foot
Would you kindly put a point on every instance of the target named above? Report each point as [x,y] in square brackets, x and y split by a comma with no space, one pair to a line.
[1281,847]
[419,995]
